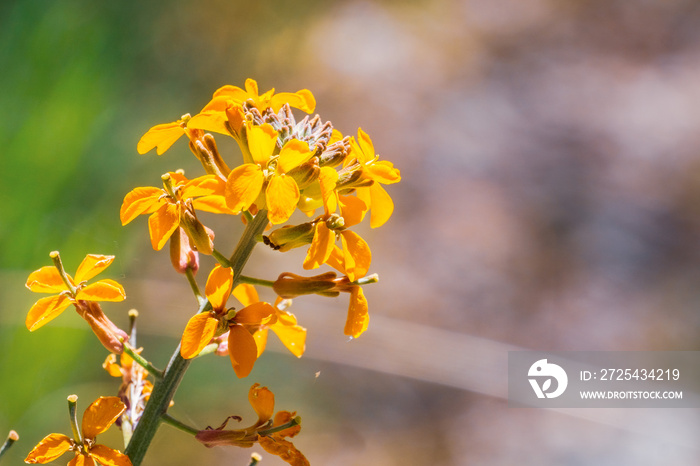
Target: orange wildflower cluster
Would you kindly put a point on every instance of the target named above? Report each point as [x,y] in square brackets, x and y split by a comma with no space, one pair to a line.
[287,165]
[334,181]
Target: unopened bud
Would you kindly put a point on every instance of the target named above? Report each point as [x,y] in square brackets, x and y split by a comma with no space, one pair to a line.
[351,177]
[200,236]
[306,173]
[289,285]
[182,255]
[335,153]
[290,237]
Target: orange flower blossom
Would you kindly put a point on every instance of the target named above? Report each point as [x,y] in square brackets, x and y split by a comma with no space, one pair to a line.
[355,257]
[289,285]
[76,291]
[268,172]
[98,417]
[269,433]
[241,325]
[380,172]
[174,206]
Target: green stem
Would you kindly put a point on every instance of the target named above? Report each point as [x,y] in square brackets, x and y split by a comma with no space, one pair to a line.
[220,258]
[12,437]
[294,422]
[256,281]
[168,419]
[193,284]
[138,359]
[246,244]
[374,278]
[164,389]
[56,258]
[72,411]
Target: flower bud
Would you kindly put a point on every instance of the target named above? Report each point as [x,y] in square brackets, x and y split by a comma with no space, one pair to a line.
[290,237]
[351,177]
[335,153]
[182,255]
[306,173]
[289,285]
[201,236]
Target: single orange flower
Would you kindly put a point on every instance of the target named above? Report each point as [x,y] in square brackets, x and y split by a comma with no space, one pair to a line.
[98,417]
[270,433]
[355,257]
[162,136]
[380,172]
[174,205]
[285,326]
[76,291]
[289,285]
[268,173]
[303,99]
[241,325]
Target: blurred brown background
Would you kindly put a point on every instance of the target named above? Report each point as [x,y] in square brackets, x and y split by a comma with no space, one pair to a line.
[550,200]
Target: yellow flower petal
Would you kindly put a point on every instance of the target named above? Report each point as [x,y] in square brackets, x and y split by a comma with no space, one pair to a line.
[292,335]
[381,204]
[282,195]
[256,314]
[293,154]
[231,92]
[49,448]
[218,287]
[243,185]
[103,290]
[92,265]
[45,310]
[321,247]
[111,366]
[246,294]
[383,171]
[101,414]
[284,449]
[328,179]
[365,145]
[214,203]
[160,136]
[261,142]
[108,457]
[140,201]
[260,338]
[352,209]
[46,280]
[199,331]
[358,317]
[303,100]
[212,117]
[356,254]
[263,402]
[242,350]
[162,224]
[203,186]
[81,460]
